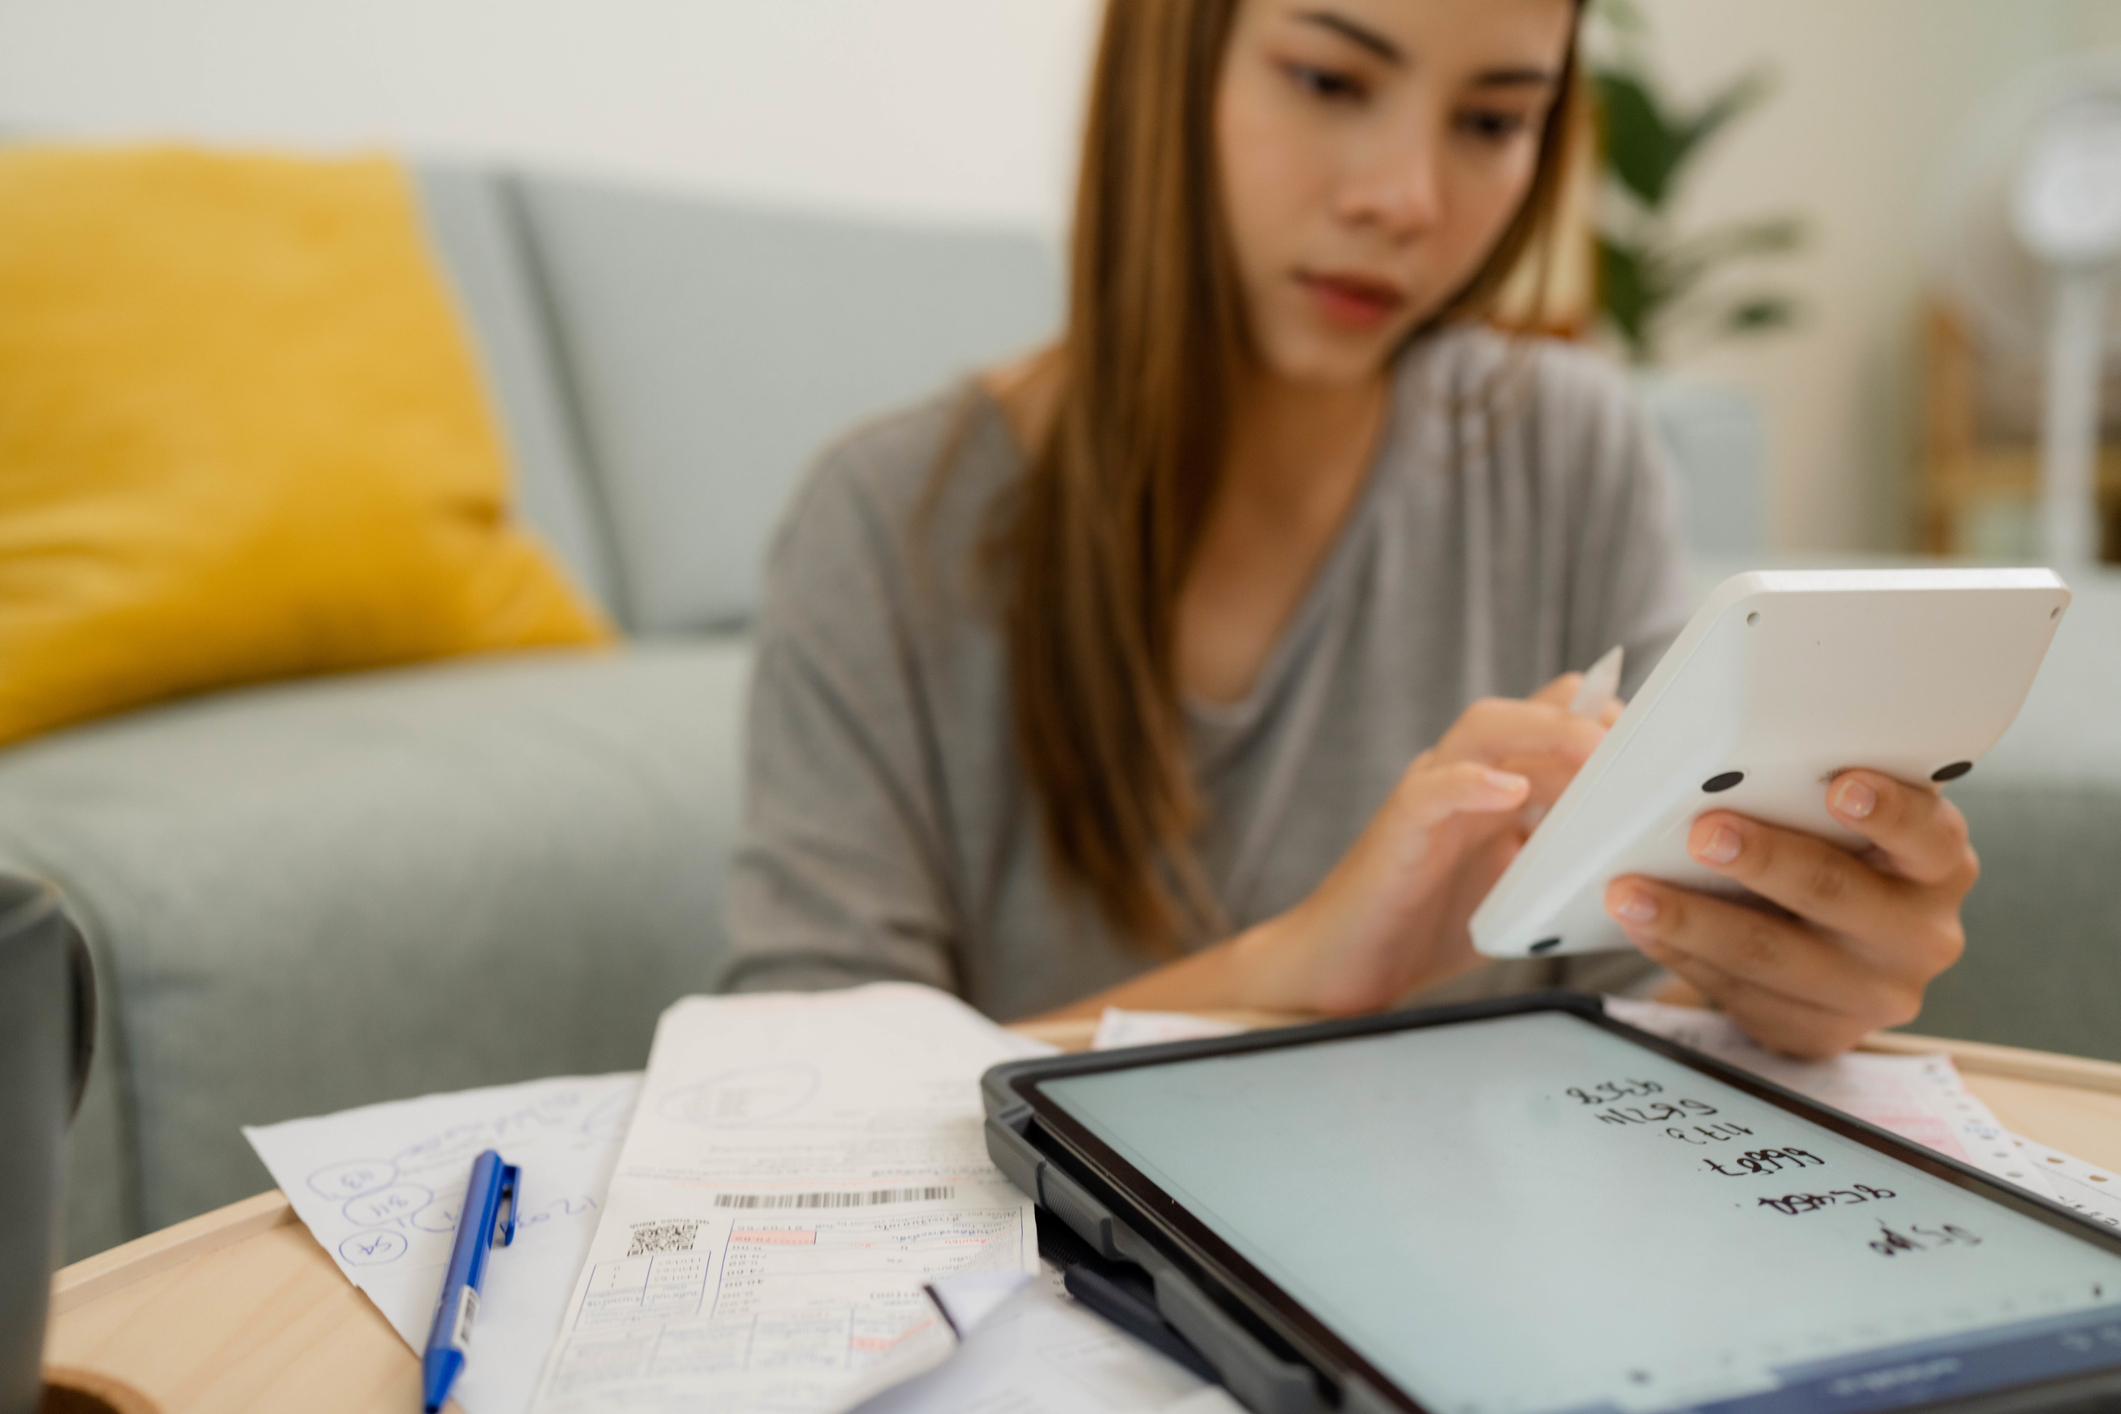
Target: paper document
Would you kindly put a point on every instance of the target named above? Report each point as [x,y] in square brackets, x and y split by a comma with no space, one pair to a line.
[799,1167]
[1117,1028]
[1038,1351]
[2076,1184]
[380,1187]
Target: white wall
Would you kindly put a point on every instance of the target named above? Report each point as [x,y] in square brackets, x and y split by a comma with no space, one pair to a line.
[959,109]
[965,110]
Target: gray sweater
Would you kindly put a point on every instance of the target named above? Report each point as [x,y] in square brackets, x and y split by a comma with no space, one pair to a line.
[1516,523]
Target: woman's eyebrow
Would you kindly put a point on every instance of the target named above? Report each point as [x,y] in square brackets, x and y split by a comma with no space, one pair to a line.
[1354,33]
[1527,76]
[1516,78]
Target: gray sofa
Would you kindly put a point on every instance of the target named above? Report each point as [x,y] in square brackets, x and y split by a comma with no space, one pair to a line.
[320,894]
[325,893]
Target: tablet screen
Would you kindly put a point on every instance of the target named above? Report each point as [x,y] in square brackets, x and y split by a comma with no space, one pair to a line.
[1532,1213]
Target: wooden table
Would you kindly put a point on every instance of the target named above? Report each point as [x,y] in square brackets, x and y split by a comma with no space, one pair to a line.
[239,1310]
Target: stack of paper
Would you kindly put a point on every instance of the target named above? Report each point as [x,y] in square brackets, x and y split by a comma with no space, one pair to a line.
[799,1168]
[381,1187]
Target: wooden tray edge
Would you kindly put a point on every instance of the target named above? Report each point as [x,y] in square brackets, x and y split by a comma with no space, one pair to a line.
[121,1266]
[1981,1058]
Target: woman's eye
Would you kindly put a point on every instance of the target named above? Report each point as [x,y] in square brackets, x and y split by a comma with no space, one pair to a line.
[1492,126]
[1324,83]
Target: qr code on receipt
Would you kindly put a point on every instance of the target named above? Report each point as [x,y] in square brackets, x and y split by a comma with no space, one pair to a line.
[662,1237]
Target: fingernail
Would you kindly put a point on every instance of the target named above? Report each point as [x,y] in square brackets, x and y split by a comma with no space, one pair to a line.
[1503,781]
[1722,847]
[1636,907]
[1855,800]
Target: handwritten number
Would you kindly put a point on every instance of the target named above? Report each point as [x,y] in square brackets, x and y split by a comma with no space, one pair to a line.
[1717,1133]
[1889,1243]
[1611,1090]
[1766,1161]
[1662,1112]
[1798,1204]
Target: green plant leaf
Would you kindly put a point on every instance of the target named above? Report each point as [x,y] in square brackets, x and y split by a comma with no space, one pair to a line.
[1625,16]
[1648,278]
[1647,146]
[1641,145]
[1744,93]
[1770,236]
[1628,293]
[1760,313]
[1677,280]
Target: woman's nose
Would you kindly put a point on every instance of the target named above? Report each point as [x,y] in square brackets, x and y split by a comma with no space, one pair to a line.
[1397,193]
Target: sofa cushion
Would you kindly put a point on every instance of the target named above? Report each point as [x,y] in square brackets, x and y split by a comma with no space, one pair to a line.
[470,220]
[2043,926]
[2042,966]
[714,350]
[323,894]
[241,436]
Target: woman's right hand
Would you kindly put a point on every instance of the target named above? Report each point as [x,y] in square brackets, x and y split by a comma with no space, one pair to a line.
[1392,915]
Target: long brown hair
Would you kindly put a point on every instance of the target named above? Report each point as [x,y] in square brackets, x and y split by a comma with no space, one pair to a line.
[1096,543]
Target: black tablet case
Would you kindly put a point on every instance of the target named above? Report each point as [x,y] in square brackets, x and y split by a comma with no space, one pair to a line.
[1271,1381]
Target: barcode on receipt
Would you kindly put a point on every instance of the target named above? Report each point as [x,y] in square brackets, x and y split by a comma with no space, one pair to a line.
[866,1199]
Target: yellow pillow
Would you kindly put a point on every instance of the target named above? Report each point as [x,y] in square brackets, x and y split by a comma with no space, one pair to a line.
[241,437]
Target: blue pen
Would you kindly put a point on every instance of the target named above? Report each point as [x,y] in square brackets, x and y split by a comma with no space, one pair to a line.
[492,1183]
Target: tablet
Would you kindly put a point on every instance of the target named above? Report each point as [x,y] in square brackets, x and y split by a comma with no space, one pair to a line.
[1778,683]
[1529,1208]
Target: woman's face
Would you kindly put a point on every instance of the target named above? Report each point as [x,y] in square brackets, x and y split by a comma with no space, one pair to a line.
[1371,153]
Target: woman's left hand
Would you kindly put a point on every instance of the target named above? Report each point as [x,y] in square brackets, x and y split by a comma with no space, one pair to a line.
[1869,929]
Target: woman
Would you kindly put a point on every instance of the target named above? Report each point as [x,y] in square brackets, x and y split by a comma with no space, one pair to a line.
[1097,682]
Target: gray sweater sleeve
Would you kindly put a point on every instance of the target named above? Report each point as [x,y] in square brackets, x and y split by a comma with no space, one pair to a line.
[839,876]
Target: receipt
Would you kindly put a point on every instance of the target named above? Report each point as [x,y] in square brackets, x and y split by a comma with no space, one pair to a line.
[799,1168]
[2093,1191]
[380,1188]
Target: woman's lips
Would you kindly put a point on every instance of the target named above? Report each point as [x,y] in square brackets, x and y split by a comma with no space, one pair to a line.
[1353,300]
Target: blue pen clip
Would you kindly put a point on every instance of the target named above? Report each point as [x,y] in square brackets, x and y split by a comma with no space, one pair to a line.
[511,1175]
